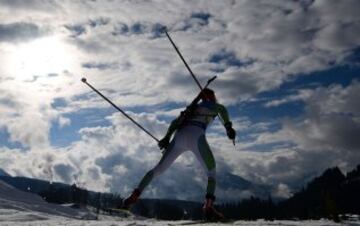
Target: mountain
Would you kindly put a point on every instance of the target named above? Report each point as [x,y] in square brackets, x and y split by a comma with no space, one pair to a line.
[239,188]
[3,173]
[30,184]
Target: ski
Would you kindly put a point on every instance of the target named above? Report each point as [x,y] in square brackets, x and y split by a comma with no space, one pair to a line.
[120,212]
[202,222]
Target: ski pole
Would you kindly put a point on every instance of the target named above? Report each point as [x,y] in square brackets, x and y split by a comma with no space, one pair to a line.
[123,112]
[189,69]
[183,60]
[187,66]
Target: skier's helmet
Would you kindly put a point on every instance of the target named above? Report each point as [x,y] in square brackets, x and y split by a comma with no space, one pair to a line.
[208,95]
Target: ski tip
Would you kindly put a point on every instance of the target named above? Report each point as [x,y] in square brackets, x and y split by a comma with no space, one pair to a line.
[83,80]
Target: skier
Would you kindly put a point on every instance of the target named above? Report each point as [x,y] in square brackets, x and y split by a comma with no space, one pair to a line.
[189,129]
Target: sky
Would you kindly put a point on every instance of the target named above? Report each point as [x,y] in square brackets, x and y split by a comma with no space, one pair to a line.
[288,73]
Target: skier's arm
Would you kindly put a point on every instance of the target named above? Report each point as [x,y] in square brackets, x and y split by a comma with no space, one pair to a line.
[224,116]
[164,142]
[174,125]
[223,113]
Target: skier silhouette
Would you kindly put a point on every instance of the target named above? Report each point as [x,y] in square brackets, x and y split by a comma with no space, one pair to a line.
[189,129]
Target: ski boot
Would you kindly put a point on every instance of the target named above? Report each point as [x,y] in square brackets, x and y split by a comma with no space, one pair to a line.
[131,199]
[210,213]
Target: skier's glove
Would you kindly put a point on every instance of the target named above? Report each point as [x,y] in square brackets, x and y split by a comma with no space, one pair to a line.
[164,143]
[231,133]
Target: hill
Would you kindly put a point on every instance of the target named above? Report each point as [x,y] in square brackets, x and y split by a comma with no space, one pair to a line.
[3,173]
[25,206]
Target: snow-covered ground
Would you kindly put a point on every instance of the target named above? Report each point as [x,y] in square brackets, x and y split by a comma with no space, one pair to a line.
[58,221]
[22,208]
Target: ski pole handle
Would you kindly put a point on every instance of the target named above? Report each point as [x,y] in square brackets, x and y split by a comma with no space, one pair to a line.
[123,112]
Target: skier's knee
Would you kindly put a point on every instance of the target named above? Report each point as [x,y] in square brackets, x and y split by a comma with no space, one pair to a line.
[211,173]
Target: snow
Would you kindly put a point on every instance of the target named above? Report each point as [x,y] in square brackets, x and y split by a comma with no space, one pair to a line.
[27,209]
[18,205]
[151,222]
[3,173]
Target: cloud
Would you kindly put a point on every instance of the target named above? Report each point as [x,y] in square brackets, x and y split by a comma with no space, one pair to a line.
[99,66]
[331,121]
[152,30]
[268,46]
[64,172]
[64,122]
[301,95]
[42,5]
[102,21]
[76,30]
[327,131]
[195,22]
[282,191]
[20,32]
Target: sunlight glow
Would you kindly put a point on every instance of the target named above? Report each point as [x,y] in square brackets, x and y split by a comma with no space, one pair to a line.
[42,57]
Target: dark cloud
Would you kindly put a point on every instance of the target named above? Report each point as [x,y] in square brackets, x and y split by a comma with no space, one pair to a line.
[20,32]
[196,21]
[202,16]
[236,83]
[81,28]
[157,30]
[65,172]
[120,29]
[326,135]
[99,66]
[138,28]
[152,30]
[331,120]
[76,30]
[228,58]
[102,21]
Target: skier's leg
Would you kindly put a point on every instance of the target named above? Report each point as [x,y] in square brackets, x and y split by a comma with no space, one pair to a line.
[170,155]
[206,158]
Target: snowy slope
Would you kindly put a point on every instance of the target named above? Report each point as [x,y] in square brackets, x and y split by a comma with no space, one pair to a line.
[3,173]
[152,222]
[17,205]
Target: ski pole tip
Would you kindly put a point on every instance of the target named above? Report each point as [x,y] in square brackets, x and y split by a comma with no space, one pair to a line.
[83,80]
